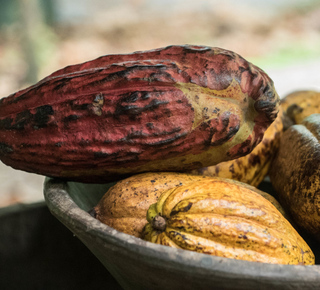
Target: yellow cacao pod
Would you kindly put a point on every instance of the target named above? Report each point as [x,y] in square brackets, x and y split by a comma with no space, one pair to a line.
[124,206]
[300,104]
[223,218]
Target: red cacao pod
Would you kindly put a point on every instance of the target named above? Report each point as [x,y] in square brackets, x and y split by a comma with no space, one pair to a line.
[170,109]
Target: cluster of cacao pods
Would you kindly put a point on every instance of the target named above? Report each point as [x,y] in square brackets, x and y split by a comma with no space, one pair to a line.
[189,132]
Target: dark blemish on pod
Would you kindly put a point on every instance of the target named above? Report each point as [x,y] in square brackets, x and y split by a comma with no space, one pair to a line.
[6,123]
[168,141]
[42,116]
[179,236]
[26,117]
[70,118]
[292,110]
[104,154]
[82,107]
[232,131]
[120,75]
[254,159]
[5,148]
[84,142]
[168,113]
[60,85]
[131,97]
[145,95]
[231,168]
[127,109]
[243,237]
[133,110]
[225,120]
[261,105]
[26,145]
[150,125]
[161,77]
[266,90]
[155,104]
[184,209]
[22,119]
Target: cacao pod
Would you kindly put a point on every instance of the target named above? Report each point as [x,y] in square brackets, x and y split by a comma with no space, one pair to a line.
[124,206]
[300,104]
[170,109]
[224,219]
[295,173]
[253,167]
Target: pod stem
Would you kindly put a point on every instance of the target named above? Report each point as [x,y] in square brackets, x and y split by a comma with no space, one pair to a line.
[159,223]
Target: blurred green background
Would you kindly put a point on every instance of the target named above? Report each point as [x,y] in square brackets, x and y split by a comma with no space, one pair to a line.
[38,37]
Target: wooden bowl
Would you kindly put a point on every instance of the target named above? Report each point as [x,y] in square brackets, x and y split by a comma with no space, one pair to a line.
[137,264]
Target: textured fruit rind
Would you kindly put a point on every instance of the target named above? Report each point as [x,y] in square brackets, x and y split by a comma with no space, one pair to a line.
[300,104]
[170,109]
[224,219]
[295,173]
[124,206]
[253,167]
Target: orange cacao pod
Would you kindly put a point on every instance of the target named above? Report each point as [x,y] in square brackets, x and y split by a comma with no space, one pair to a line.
[224,218]
[124,205]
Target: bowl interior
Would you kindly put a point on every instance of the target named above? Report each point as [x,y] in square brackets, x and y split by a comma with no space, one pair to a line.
[86,196]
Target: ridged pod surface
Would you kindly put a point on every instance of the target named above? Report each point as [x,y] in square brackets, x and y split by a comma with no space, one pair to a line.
[253,167]
[169,109]
[222,218]
[300,104]
[295,173]
[124,206]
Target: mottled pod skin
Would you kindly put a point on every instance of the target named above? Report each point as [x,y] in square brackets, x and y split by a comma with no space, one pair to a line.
[124,206]
[299,105]
[295,173]
[223,218]
[170,109]
[253,167]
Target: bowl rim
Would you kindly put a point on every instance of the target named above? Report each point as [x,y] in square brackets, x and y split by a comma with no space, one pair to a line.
[62,206]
